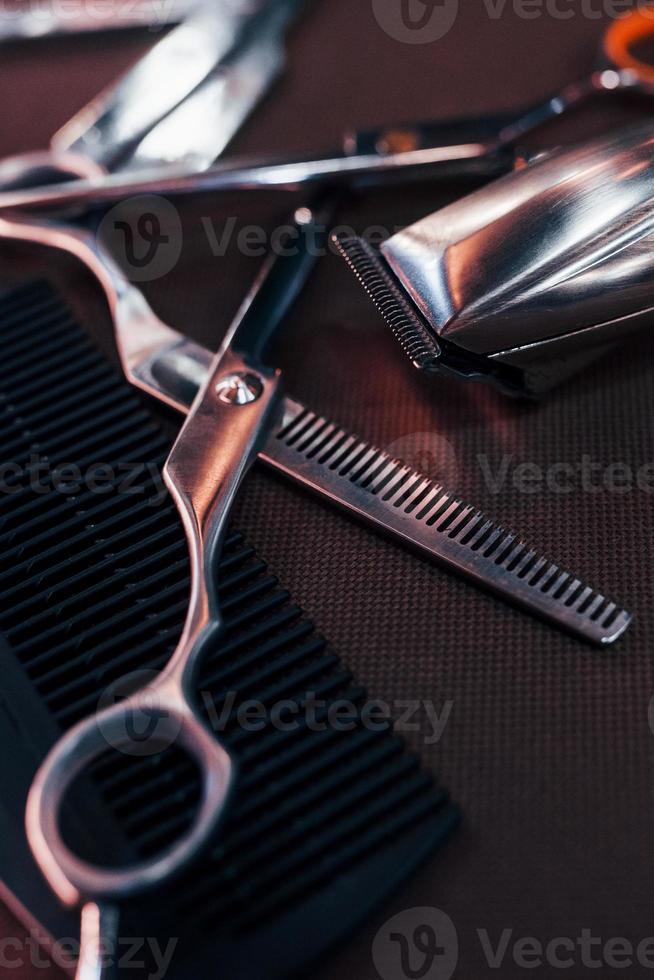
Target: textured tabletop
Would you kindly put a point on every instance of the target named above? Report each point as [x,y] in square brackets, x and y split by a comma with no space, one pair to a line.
[545,743]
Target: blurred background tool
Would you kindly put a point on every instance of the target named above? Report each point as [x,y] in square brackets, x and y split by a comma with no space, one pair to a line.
[476,147]
[183,101]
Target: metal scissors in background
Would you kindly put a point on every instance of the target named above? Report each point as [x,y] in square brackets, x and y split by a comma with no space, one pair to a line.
[228,424]
[182,102]
[482,147]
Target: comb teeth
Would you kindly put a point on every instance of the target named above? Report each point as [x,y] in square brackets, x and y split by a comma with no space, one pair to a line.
[408,328]
[387,493]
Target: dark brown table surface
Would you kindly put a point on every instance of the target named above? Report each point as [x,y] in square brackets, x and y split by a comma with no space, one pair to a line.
[548,747]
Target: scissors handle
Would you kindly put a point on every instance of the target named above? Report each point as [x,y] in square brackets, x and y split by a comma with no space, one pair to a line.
[160,711]
[622,38]
[98,942]
[220,439]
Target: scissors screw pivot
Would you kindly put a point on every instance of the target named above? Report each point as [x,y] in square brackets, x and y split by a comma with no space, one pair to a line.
[240,388]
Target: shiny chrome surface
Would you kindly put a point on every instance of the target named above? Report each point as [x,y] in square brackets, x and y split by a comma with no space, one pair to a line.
[110,127]
[471,159]
[99,928]
[203,125]
[547,264]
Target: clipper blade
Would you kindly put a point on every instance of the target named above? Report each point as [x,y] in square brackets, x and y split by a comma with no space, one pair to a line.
[406,324]
[425,351]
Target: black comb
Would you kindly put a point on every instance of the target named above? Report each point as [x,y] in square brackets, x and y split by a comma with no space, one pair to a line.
[94,586]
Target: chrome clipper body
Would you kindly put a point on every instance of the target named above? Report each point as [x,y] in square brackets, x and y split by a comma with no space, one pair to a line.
[529,279]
